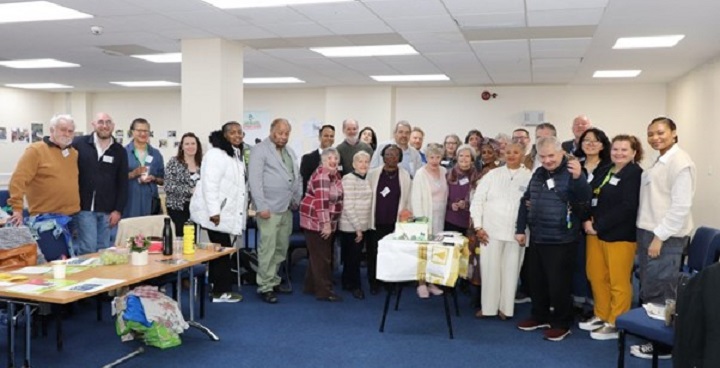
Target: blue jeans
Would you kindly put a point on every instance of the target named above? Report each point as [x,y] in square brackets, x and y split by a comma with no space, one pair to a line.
[93,231]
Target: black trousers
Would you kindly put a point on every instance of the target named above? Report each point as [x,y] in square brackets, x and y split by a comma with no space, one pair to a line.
[179,218]
[351,255]
[220,274]
[372,247]
[550,268]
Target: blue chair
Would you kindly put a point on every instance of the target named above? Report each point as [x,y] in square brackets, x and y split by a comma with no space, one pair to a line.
[51,247]
[296,242]
[702,252]
[4,196]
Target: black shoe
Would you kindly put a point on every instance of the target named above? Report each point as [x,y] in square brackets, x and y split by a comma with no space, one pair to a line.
[282,289]
[358,294]
[269,297]
[332,298]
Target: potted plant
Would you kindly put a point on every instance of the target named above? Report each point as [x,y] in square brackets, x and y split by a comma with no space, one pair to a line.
[139,246]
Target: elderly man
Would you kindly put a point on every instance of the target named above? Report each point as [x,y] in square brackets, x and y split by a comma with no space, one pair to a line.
[350,146]
[411,160]
[417,136]
[276,189]
[47,174]
[103,167]
[556,187]
[311,160]
[579,126]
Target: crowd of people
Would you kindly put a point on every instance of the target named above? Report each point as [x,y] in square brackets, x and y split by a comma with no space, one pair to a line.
[551,220]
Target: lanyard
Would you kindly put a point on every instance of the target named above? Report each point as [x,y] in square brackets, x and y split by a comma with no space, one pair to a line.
[141,161]
[609,175]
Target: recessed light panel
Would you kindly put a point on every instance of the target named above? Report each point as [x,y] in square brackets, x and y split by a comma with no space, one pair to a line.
[38,85]
[272,80]
[616,73]
[33,11]
[37,64]
[647,42]
[411,78]
[174,57]
[365,51]
[237,4]
[146,84]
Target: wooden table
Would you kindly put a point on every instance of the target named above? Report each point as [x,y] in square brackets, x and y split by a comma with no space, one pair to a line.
[130,274]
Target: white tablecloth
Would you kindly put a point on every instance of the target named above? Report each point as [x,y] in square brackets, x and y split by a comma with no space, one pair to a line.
[434,262]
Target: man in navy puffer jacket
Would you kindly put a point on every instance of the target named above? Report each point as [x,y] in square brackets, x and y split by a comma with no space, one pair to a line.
[547,208]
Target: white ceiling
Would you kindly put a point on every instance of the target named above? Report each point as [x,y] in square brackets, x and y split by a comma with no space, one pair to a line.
[474,42]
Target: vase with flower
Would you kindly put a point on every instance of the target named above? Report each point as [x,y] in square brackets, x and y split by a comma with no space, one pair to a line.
[139,246]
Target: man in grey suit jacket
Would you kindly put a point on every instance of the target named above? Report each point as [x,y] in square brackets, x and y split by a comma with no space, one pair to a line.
[276,190]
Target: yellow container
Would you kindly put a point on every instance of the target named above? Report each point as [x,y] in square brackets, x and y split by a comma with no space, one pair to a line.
[189,238]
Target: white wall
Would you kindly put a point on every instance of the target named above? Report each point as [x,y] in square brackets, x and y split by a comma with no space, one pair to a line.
[693,105]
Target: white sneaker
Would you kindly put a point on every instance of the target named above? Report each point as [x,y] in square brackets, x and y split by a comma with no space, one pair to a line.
[606,332]
[645,351]
[226,297]
[592,324]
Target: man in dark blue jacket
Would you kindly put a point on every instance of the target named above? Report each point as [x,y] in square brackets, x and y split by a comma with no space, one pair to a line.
[555,190]
[103,167]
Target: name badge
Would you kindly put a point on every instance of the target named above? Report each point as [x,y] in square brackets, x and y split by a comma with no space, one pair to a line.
[108,159]
[66,152]
[590,177]
[464,181]
[444,162]
[522,188]
[385,192]
[340,168]
[614,181]
[195,176]
[148,159]
[550,183]
[593,203]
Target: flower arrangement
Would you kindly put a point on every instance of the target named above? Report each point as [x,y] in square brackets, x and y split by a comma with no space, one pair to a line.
[139,243]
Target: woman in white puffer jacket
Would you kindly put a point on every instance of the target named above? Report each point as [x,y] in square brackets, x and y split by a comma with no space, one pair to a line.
[219,203]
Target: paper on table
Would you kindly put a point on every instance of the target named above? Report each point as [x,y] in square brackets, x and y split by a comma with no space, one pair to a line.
[33,270]
[91,285]
[40,286]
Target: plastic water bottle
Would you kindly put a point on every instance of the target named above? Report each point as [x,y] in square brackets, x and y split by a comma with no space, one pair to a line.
[167,238]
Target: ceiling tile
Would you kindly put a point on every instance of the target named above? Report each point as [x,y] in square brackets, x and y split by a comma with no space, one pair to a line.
[442,23]
[554,48]
[556,64]
[566,17]
[349,11]
[366,26]
[494,20]
[458,7]
[406,8]
[534,5]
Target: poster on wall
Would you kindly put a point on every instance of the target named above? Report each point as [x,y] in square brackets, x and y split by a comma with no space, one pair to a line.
[3,135]
[172,134]
[20,135]
[256,125]
[37,132]
[79,134]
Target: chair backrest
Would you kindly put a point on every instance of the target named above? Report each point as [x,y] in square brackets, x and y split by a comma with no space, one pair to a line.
[4,196]
[703,248]
[145,225]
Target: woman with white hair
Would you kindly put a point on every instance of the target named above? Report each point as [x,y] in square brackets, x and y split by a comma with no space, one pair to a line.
[320,211]
[429,199]
[355,221]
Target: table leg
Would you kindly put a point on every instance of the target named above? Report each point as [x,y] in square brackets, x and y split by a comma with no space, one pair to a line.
[447,315]
[621,349]
[11,334]
[28,327]
[397,288]
[389,288]
[454,294]
[192,321]
[58,322]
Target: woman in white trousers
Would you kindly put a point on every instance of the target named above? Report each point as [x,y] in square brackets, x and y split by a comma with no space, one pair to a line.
[494,209]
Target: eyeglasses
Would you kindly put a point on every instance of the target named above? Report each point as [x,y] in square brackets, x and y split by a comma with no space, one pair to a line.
[142,131]
[451,142]
[587,141]
[104,122]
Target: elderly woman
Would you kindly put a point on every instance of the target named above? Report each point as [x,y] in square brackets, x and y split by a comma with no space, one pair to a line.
[354,222]
[461,180]
[612,236]
[182,173]
[368,136]
[503,140]
[320,211]
[429,199]
[664,219]
[451,143]
[494,212]
[219,202]
[146,172]
[390,186]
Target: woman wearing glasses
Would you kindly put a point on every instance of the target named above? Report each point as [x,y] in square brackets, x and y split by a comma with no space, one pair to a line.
[147,171]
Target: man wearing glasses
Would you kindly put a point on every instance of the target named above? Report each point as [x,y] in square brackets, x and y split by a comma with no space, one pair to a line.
[103,167]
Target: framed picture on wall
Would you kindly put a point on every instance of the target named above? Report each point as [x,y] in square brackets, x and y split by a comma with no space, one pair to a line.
[37,132]
[3,134]
[20,135]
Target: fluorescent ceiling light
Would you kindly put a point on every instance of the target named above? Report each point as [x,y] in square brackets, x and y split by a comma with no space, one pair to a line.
[236,4]
[272,80]
[410,78]
[647,42]
[37,64]
[146,84]
[359,51]
[33,11]
[616,73]
[174,57]
[38,85]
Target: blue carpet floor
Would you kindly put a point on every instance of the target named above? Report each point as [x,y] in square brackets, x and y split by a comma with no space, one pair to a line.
[302,332]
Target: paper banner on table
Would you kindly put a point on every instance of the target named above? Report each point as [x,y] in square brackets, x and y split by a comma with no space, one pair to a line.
[93,284]
[256,125]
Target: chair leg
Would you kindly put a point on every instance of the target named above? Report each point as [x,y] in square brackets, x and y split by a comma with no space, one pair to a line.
[398,289]
[455,300]
[203,296]
[655,354]
[386,306]
[447,315]
[621,349]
